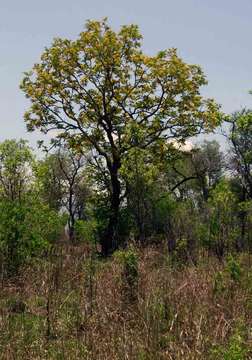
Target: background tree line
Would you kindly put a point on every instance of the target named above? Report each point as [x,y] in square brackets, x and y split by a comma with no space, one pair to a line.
[193,198]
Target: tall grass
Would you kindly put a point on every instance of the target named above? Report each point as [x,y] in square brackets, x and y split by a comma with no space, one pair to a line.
[137,305]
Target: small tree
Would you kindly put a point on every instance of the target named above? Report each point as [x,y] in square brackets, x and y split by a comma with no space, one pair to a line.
[222,224]
[26,230]
[240,137]
[15,169]
[63,185]
[208,166]
[27,224]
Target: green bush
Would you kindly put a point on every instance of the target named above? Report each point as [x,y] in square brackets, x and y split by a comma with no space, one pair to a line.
[218,283]
[129,261]
[236,349]
[27,229]
[233,268]
[86,230]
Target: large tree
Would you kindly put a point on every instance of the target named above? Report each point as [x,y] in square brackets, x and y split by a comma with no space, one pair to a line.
[103,93]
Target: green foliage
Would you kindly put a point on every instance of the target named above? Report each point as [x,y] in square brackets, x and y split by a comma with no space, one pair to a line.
[240,137]
[222,228]
[125,225]
[86,230]
[165,83]
[164,209]
[236,349]
[183,224]
[226,279]
[26,230]
[129,262]
[106,96]
[233,268]
[49,181]
[179,255]
[140,173]
[16,161]
[157,315]
[219,283]
[125,118]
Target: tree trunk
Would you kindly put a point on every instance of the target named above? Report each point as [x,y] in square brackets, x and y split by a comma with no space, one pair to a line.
[109,240]
[71,221]
[71,231]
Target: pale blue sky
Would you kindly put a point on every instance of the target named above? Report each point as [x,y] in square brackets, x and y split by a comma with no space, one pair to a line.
[213,33]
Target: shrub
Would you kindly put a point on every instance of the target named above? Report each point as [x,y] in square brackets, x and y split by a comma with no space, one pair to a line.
[86,230]
[234,269]
[129,261]
[26,230]
[236,348]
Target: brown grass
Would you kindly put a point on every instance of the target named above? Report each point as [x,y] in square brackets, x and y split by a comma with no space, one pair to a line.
[76,307]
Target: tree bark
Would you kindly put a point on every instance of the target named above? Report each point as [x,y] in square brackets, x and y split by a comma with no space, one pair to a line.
[71,222]
[109,240]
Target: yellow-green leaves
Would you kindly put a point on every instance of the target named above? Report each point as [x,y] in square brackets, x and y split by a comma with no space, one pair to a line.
[103,88]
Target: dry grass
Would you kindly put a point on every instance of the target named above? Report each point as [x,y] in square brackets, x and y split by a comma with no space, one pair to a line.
[74,306]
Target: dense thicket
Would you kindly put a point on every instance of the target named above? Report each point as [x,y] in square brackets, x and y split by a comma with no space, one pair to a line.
[192,198]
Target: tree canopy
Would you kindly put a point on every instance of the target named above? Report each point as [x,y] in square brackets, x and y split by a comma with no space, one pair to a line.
[101,92]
